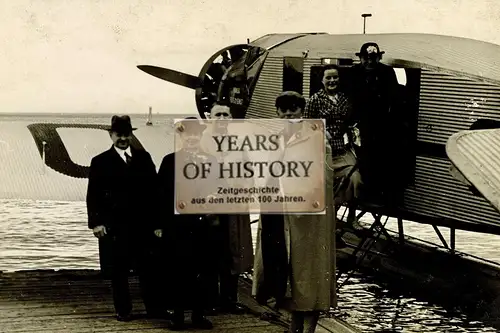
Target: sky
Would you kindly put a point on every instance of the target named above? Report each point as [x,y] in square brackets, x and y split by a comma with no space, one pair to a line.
[81,55]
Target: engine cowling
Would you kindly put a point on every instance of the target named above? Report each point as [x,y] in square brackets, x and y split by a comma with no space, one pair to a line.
[229,76]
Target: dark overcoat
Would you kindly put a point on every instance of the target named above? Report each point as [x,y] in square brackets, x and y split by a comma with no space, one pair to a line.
[123,198]
[187,258]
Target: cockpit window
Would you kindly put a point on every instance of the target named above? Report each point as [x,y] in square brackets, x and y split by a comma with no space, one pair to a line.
[400,75]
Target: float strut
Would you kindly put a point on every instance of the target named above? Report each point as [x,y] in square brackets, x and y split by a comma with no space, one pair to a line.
[376,226]
[401,231]
[438,232]
[452,240]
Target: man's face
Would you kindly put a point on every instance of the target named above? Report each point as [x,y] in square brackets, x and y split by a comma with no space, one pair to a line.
[191,139]
[295,113]
[221,113]
[121,140]
[330,80]
[370,58]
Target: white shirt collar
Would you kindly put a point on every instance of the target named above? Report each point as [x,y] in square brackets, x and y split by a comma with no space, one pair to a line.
[122,152]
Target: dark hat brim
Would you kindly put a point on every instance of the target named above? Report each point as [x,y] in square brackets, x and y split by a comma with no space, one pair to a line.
[364,53]
[111,129]
[121,124]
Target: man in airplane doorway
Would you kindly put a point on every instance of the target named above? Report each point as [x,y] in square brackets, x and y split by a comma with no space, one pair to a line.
[374,93]
[333,105]
[121,206]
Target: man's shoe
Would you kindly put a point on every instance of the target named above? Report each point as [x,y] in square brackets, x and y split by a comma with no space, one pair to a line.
[123,317]
[159,315]
[211,311]
[233,308]
[176,325]
[202,323]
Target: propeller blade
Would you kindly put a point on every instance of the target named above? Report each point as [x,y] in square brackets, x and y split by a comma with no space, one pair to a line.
[183,79]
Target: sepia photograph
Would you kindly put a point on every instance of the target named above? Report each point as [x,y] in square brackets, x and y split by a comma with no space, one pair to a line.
[247,167]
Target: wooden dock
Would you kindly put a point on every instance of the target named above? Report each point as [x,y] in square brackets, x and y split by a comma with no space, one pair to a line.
[80,301]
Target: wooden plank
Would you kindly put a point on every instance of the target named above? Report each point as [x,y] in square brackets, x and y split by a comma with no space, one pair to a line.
[105,323]
[81,302]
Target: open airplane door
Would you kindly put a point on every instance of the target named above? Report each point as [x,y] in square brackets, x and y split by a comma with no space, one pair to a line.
[476,154]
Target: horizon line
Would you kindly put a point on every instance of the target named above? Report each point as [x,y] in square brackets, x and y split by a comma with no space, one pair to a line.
[89,113]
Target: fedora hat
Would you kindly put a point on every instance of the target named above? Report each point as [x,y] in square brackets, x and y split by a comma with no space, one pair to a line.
[369,48]
[121,124]
[192,124]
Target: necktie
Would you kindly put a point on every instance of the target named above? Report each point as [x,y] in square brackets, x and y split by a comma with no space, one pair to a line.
[128,158]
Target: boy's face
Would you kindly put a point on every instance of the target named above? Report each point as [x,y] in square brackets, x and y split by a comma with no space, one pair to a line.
[294,113]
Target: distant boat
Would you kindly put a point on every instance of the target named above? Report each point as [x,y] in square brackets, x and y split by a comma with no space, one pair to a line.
[149,122]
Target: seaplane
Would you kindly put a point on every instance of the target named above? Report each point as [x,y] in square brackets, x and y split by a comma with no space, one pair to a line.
[450,86]
[451,90]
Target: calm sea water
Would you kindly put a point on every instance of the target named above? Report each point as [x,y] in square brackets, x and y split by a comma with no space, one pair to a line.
[54,235]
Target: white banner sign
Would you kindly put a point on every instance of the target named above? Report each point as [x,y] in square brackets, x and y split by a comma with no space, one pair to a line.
[249,166]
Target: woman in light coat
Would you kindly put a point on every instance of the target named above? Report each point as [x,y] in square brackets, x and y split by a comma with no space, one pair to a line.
[302,279]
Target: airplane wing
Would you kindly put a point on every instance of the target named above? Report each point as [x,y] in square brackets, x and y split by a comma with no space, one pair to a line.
[476,154]
[43,160]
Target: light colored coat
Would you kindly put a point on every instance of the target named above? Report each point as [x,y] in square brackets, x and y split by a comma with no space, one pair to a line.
[310,242]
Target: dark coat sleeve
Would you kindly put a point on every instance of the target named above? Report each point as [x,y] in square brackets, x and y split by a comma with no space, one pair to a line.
[350,118]
[166,187]
[96,195]
[153,191]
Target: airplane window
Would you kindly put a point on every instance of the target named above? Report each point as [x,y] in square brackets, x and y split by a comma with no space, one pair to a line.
[400,75]
[341,62]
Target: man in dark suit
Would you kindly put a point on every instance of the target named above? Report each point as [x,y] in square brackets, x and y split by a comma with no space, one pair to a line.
[187,246]
[231,233]
[375,95]
[121,203]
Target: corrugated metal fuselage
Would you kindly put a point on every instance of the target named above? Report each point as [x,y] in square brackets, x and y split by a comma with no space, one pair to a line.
[447,103]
